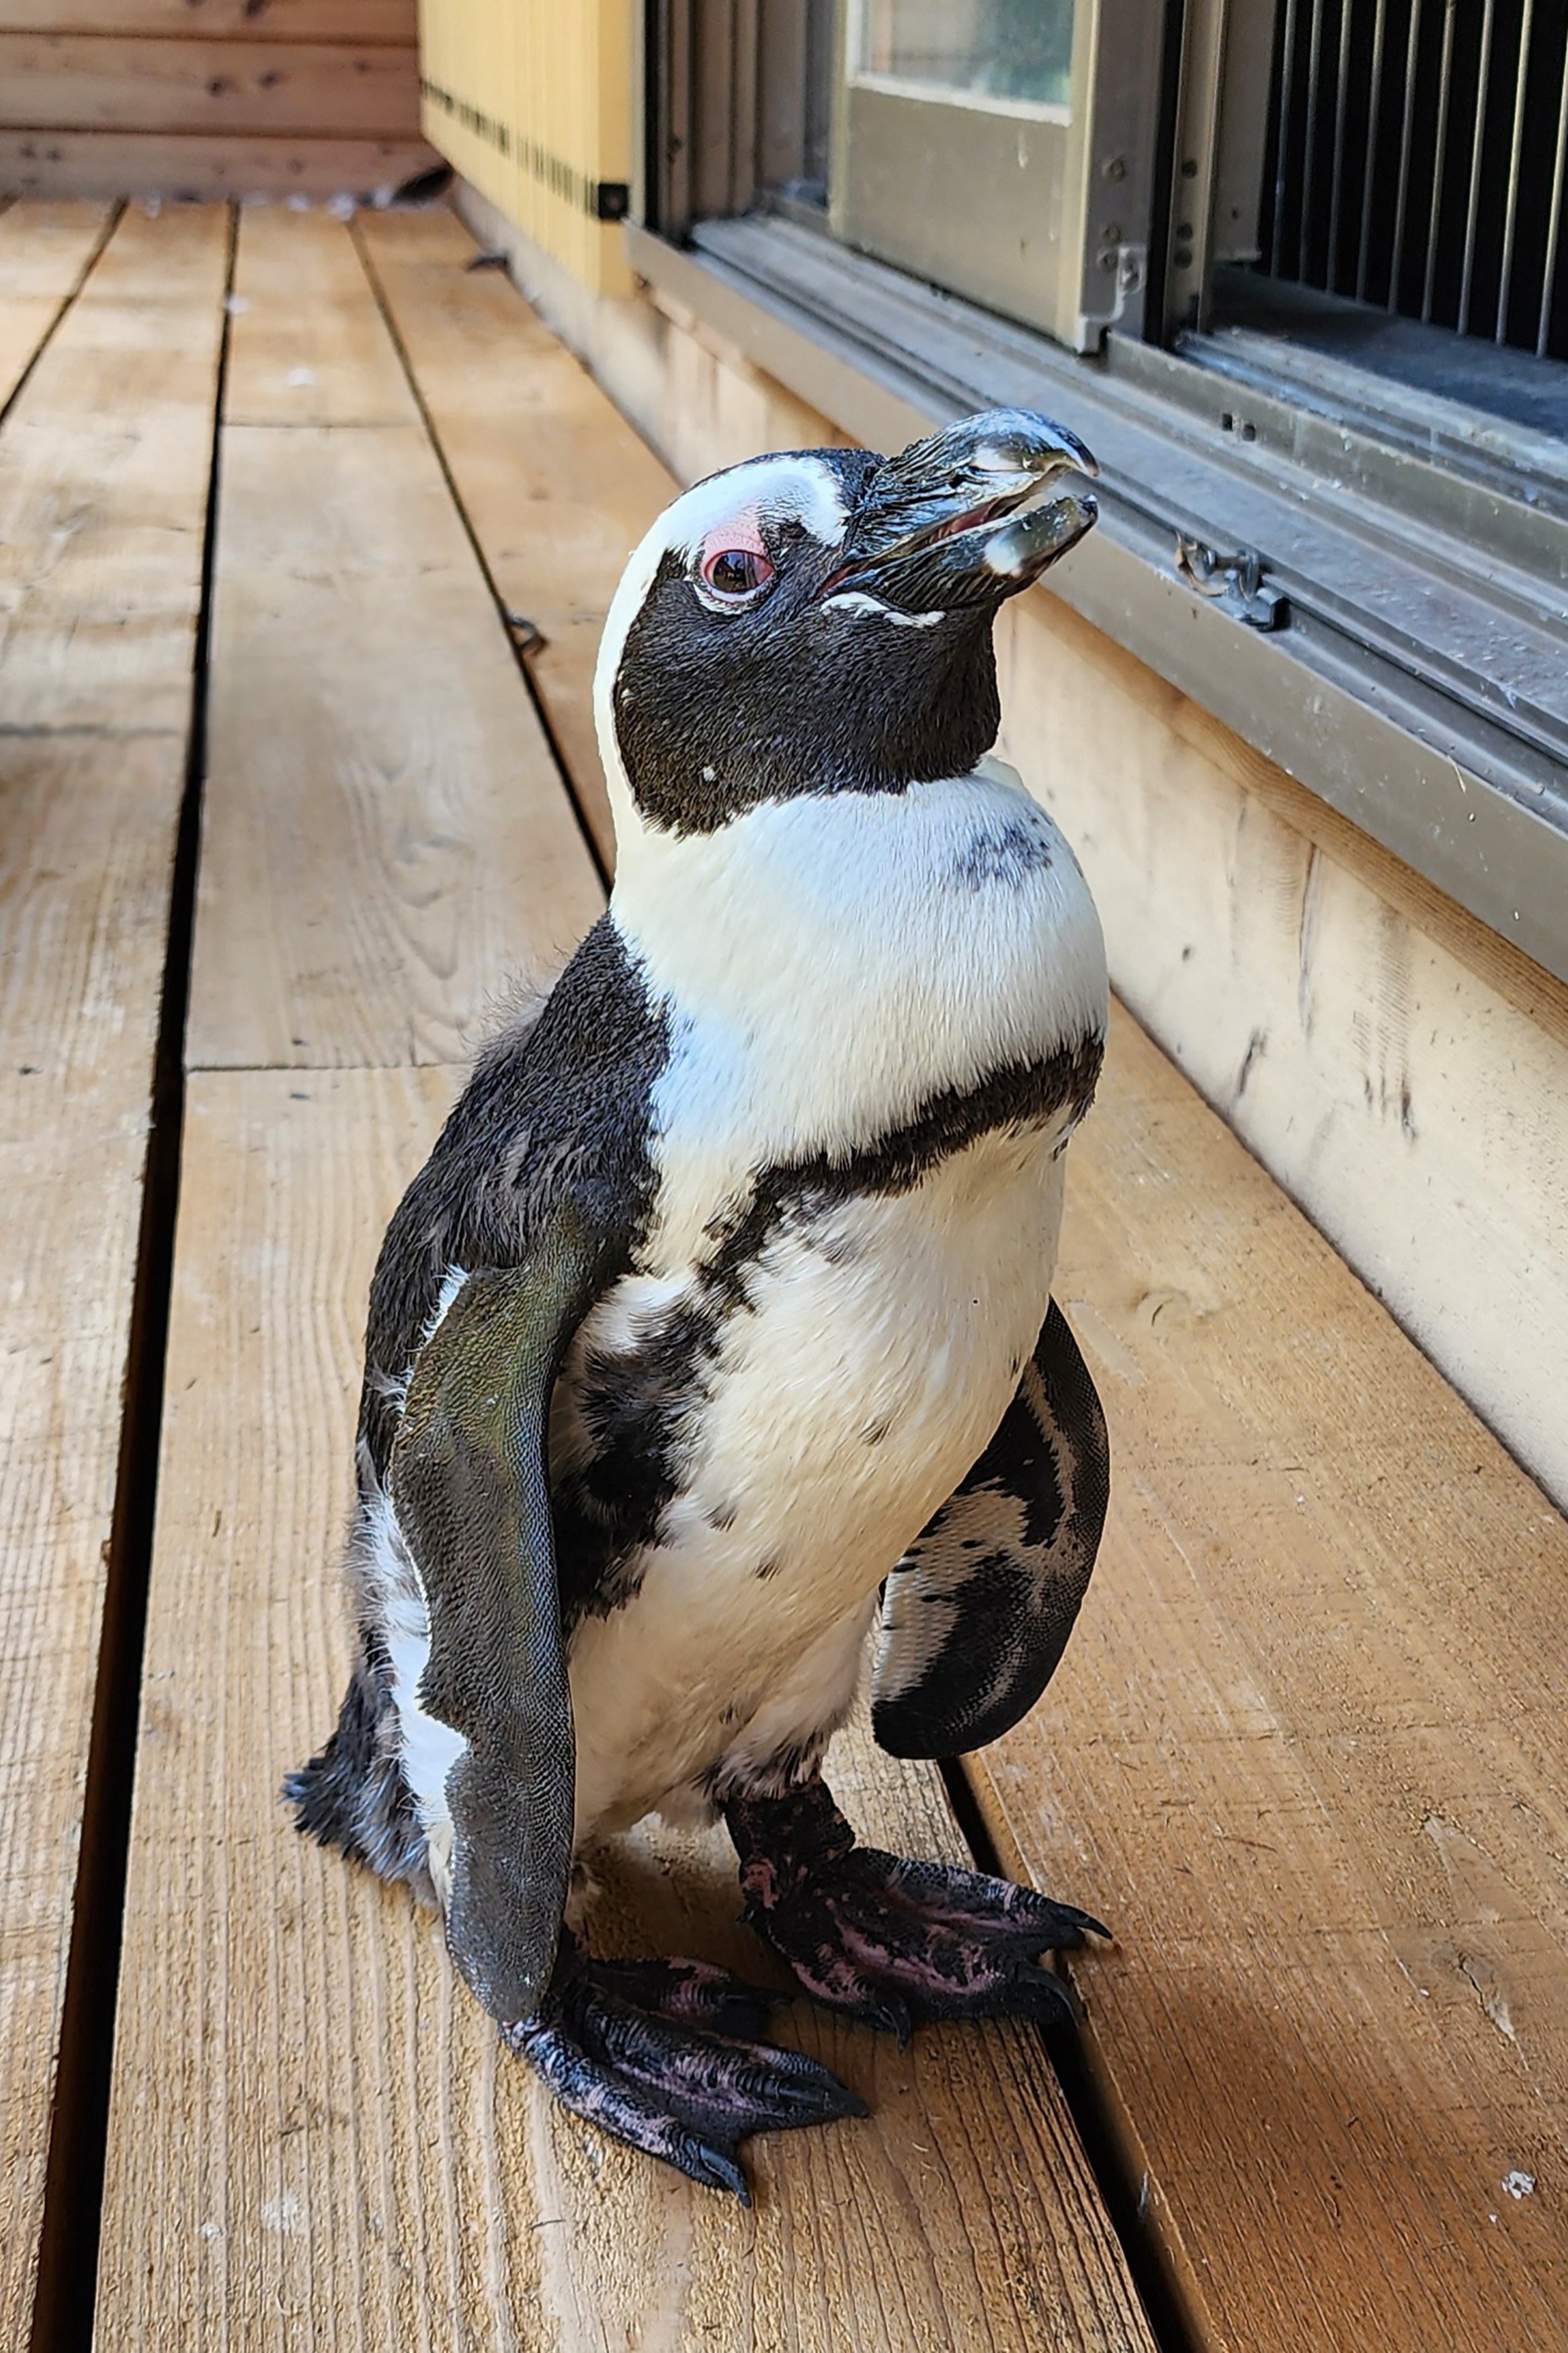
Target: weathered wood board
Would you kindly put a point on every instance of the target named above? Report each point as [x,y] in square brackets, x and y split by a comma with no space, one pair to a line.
[556,485]
[190,165]
[111,82]
[103,486]
[308,345]
[1308,1753]
[46,251]
[315,2139]
[354,22]
[387,841]
[88,825]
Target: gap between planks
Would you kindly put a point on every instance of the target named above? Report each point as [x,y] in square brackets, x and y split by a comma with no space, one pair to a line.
[101,425]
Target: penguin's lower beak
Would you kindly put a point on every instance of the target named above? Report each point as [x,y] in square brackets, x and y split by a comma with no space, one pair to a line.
[968,516]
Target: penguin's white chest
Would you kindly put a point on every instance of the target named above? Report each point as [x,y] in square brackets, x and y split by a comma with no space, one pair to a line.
[837,980]
[882,1341]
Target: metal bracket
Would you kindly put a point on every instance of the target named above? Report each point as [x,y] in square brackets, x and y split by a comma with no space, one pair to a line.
[1237,581]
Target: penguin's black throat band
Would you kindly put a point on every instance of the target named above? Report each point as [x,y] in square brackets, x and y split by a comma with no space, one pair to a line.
[866,664]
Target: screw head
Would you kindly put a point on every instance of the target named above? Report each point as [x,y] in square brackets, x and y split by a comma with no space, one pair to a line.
[1115,168]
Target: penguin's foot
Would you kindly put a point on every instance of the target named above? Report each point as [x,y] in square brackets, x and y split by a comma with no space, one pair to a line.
[667,2056]
[891,1941]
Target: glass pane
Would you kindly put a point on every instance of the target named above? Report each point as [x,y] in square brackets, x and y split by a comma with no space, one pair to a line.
[1009,55]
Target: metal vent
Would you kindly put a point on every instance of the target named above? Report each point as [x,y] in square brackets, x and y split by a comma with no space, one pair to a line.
[1418,155]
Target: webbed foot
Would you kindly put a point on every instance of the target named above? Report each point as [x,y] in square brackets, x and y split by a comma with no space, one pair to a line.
[667,2056]
[892,1941]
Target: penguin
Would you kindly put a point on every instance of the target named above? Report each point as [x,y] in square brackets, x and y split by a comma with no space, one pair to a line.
[717,1332]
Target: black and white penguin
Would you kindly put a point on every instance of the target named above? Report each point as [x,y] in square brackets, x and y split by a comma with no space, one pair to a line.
[718,1325]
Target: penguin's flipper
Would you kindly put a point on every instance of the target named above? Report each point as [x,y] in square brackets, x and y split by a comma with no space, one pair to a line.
[470,1487]
[977,1613]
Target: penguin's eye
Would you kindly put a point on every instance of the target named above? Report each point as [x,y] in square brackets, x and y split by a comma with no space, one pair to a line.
[735,575]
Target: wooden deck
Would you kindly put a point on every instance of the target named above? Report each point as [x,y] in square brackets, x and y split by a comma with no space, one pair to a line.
[283,815]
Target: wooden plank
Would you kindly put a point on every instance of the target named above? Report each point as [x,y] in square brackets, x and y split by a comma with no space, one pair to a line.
[46,251]
[386,838]
[308,346]
[50,81]
[193,167]
[1309,1755]
[315,2139]
[104,464]
[86,834]
[87,838]
[362,22]
[556,485]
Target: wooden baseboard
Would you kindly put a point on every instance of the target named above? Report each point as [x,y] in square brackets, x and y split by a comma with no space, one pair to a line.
[149,164]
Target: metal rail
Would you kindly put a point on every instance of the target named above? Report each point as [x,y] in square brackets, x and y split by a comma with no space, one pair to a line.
[1419,162]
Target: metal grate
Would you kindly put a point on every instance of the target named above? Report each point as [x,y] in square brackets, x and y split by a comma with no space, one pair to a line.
[1418,160]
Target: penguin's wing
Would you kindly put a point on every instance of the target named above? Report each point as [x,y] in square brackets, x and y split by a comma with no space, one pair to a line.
[977,1613]
[470,1487]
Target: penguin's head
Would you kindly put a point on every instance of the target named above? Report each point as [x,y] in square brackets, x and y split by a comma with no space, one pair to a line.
[820,621]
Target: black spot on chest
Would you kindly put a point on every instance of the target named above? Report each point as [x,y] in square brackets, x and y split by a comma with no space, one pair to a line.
[1007,851]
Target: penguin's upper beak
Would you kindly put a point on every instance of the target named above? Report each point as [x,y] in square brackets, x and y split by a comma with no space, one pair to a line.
[968,516]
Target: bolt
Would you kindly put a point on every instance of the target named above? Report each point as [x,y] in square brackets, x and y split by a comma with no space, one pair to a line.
[1115,169]
[1190,168]
[1112,233]
[1107,260]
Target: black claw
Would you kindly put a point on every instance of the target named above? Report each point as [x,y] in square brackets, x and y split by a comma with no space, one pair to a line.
[714,2171]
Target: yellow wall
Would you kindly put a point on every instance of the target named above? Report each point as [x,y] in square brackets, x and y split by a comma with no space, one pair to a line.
[532,100]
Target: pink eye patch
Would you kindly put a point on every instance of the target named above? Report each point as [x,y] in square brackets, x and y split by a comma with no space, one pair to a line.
[744,531]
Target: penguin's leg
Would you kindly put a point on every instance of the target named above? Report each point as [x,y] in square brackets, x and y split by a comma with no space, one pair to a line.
[892,1941]
[667,2055]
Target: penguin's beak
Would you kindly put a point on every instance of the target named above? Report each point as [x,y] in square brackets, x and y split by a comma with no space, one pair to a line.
[968,516]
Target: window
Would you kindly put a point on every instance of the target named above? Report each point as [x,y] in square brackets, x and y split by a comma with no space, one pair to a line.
[979,144]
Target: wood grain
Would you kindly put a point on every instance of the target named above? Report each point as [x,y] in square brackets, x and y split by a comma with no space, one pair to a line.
[104,465]
[108,82]
[386,837]
[46,251]
[193,166]
[557,487]
[361,23]
[1308,1753]
[94,471]
[315,2140]
[307,345]
[387,841]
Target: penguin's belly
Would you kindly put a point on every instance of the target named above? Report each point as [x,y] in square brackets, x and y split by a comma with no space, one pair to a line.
[863,1361]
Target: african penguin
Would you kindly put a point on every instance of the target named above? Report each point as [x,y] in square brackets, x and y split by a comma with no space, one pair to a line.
[718,1324]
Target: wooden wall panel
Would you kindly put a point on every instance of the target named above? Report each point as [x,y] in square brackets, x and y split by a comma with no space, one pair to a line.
[387,22]
[210,98]
[153,163]
[533,103]
[102,82]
